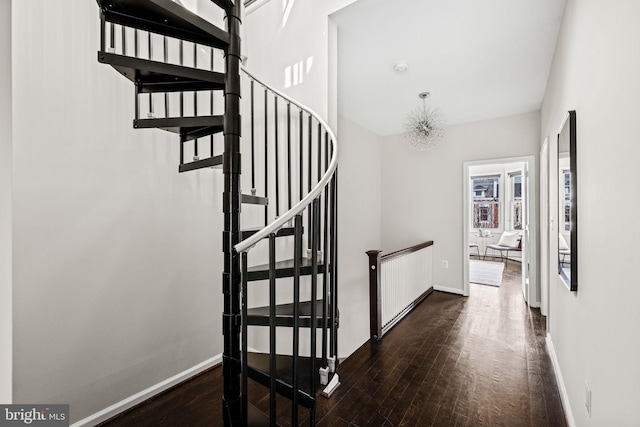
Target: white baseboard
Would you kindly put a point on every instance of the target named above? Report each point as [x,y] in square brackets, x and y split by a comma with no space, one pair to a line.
[137,398]
[449,290]
[563,390]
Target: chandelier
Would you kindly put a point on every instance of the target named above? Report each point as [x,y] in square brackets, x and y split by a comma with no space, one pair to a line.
[424,126]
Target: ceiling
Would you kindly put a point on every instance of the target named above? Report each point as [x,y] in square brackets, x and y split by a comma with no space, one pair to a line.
[480,59]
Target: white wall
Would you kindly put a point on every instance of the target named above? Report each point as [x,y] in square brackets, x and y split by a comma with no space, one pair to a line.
[422,191]
[359,207]
[594,331]
[117,257]
[282,33]
[6,239]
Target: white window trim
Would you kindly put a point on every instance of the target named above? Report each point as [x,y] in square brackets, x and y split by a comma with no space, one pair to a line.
[509,196]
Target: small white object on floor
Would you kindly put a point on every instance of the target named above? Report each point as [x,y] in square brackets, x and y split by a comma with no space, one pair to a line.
[331,387]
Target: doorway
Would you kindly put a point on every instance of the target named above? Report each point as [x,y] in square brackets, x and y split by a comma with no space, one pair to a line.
[499,197]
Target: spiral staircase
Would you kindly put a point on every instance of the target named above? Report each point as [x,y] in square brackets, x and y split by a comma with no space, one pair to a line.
[280,273]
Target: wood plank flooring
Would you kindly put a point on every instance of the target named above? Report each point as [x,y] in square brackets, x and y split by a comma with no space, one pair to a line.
[454,361]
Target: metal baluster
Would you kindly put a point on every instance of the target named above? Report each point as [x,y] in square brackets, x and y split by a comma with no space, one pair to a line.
[272,329]
[326,151]
[315,237]
[150,43]
[300,121]
[112,37]
[325,255]
[334,269]
[297,263]
[332,260]
[195,101]
[124,39]
[103,30]
[181,59]
[289,154]
[182,141]
[266,155]
[245,343]
[253,143]
[211,136]
[137,102]
[309,173]
[136,43]
[275,114]
[165,54]
[136,51]
[319,152]
[319,159]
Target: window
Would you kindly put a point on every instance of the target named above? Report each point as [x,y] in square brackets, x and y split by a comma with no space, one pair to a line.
[516,201]
[486,202]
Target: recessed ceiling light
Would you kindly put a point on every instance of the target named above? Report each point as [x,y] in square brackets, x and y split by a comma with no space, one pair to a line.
[401,66]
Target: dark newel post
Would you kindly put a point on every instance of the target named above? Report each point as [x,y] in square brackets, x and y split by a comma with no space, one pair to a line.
[231,368]
[375,304]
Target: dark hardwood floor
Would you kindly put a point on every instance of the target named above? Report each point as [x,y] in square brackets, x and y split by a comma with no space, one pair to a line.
[454,361]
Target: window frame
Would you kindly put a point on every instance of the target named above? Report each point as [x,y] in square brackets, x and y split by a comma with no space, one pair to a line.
[501,198]
[511,175]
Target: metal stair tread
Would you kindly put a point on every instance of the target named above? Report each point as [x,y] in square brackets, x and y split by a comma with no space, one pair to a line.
[254,200]
[164,17]
[155,76]
[259,316]
[283,269]
[200,125]
[259,372]
[209,162]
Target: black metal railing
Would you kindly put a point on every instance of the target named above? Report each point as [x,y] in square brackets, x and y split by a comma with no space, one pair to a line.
[285,127]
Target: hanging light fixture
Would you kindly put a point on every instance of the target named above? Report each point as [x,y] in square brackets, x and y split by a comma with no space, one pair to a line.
[424,126]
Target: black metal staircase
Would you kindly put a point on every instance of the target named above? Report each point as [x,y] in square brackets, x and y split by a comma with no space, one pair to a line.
[292,287]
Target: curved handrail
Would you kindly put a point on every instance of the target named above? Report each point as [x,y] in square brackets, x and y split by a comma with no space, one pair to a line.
[279,222]
[405,251]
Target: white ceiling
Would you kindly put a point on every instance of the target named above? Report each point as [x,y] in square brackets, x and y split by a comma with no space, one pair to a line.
[480,59]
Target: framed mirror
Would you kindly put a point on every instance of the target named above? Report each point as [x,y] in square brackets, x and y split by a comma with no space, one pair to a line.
[568,203]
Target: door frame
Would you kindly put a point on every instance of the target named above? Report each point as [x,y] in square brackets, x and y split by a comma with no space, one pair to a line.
[544,228]
[532,293]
